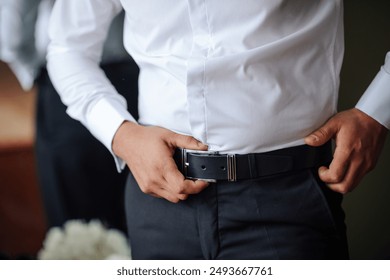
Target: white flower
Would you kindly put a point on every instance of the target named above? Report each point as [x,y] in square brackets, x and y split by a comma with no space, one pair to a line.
[84,241]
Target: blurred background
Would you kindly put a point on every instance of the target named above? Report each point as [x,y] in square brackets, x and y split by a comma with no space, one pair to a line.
[367,39]
[22,224]
[367,35]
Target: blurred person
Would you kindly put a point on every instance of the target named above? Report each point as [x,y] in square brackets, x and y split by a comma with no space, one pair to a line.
[77,176]
[231,155]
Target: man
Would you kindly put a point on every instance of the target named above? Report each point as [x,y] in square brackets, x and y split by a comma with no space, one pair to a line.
[244,84]
[77,176]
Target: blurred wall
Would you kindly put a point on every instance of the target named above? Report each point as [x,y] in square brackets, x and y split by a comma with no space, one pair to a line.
[367,39]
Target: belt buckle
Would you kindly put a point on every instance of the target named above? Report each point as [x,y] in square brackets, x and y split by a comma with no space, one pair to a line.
[231,164]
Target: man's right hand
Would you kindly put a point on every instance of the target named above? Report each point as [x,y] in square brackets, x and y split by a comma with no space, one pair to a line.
[148,152]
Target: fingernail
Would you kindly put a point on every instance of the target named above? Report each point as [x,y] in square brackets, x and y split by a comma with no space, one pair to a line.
[203,146]
[322,170]
[206,182]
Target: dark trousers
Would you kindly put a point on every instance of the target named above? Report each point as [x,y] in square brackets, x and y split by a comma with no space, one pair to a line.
[77,173]
[288,216]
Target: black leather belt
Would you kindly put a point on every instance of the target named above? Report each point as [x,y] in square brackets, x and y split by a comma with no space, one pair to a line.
[213,166]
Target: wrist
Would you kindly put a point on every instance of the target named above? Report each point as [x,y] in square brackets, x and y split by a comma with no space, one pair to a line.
[366,118]
[126,131]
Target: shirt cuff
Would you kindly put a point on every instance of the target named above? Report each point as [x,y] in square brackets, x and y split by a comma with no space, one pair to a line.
[375,102]
[24,74]
[104,119]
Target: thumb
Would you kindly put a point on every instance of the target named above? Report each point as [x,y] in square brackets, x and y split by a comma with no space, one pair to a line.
[321,135]
[187,142]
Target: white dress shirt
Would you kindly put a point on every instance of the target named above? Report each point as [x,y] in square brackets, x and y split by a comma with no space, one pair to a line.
[241,76]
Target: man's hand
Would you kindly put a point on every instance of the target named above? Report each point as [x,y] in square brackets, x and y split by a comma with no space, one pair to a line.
[148,151]
[359,140]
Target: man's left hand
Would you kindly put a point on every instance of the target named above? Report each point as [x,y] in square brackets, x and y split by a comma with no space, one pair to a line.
[359,140]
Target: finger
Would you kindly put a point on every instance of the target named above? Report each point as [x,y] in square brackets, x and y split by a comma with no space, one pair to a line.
[196,186]
[177,183]
[170,195]
[155,186]
[185,186]
[323,134]
[166,194]
[337,168]
[187,142]
[352,177]
[183,196]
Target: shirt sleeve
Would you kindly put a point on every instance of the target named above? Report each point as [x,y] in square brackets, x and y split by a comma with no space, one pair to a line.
[375,102]
[17,41]
[77,32]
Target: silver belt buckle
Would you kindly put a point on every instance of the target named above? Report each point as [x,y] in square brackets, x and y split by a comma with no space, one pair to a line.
[186,164]
[231,164]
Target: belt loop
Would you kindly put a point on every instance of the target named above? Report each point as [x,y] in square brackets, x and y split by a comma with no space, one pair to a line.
[252,165]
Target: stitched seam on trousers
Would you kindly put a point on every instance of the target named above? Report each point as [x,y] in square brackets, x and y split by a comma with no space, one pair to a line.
[275,251]
[218,219]
[207,249]
[201,232]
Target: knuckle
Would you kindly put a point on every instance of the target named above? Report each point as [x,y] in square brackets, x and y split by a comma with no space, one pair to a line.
[322,132]
[180,188]
[343,189]
[174,200]
[359,146]
[188,140]
[335,177]
[148,188]
[338,175]
[370,164]
[183,196]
